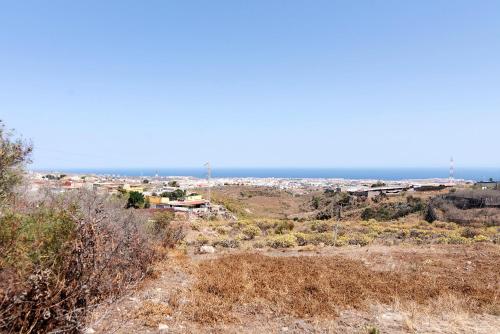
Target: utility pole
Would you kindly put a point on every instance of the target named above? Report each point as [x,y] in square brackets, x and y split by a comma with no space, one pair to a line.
[336,225]
[209,175]
[452,170]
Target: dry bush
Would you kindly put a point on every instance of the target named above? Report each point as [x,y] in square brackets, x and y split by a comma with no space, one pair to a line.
[321,286]
[467,207]
[67,255]
[174,234]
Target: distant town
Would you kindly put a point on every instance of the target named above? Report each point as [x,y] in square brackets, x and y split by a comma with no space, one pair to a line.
[181,193]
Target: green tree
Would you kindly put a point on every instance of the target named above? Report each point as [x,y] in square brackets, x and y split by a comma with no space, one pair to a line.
[14,154]
[174,195]
[173,184]
[135,200]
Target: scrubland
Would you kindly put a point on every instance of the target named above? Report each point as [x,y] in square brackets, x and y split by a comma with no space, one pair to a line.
[81,262]
[306,275]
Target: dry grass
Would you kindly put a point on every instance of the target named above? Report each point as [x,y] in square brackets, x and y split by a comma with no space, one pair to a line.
[319,287]
[151,314]
[259,202]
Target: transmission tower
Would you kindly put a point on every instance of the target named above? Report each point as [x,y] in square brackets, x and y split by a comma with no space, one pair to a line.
[452,170]
[209,176]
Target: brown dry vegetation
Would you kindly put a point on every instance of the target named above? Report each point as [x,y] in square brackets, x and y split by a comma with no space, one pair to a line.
[260,201]
[308,287]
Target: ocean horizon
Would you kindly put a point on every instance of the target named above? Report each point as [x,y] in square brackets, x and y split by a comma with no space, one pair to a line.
[475,174]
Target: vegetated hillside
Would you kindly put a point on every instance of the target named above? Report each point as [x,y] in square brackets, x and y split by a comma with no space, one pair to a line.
[266,202]
[342,206]
[467,207]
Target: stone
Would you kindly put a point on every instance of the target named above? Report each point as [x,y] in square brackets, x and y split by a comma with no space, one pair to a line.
[206,249]
[163,328]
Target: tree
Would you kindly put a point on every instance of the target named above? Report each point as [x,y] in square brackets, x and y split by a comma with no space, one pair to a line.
[135,200]
[173,184]
[430,214]
[14,154]
[174,195]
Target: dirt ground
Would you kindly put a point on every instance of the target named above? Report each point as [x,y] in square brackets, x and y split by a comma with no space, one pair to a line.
[390,289]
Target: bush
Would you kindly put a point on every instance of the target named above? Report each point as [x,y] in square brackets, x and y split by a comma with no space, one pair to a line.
[430,214]
[469,232]
[318,238]
[162,220]
[359,239]
[481,238]
[283,227]
[250,232]
[264,225]
[321,226]
[258,244]
[282,241]
[174,234]
[226,243]
[220,229]
[66,256]
[170,233]
[201,240]
[457,240]
[302,238]
[135,200]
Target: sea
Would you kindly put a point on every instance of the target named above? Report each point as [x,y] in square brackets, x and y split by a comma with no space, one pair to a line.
[474,174]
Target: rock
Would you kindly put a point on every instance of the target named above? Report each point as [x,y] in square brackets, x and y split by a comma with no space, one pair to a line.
[89,330]
[284,329]
[163,328]
[206,249]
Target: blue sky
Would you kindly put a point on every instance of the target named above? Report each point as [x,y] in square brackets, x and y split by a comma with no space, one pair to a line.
[253,83]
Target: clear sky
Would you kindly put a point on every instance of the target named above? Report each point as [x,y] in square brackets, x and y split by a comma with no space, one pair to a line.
[253,83]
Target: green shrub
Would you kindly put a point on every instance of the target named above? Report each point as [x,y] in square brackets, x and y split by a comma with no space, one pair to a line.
[302,238]
[457,240]
[481,238]
[283,227]
[222,229]
[282,241]
[342,241]
[201,240]
[250,232]
[66,256]
[226,243]
[37,239]
[318,238]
